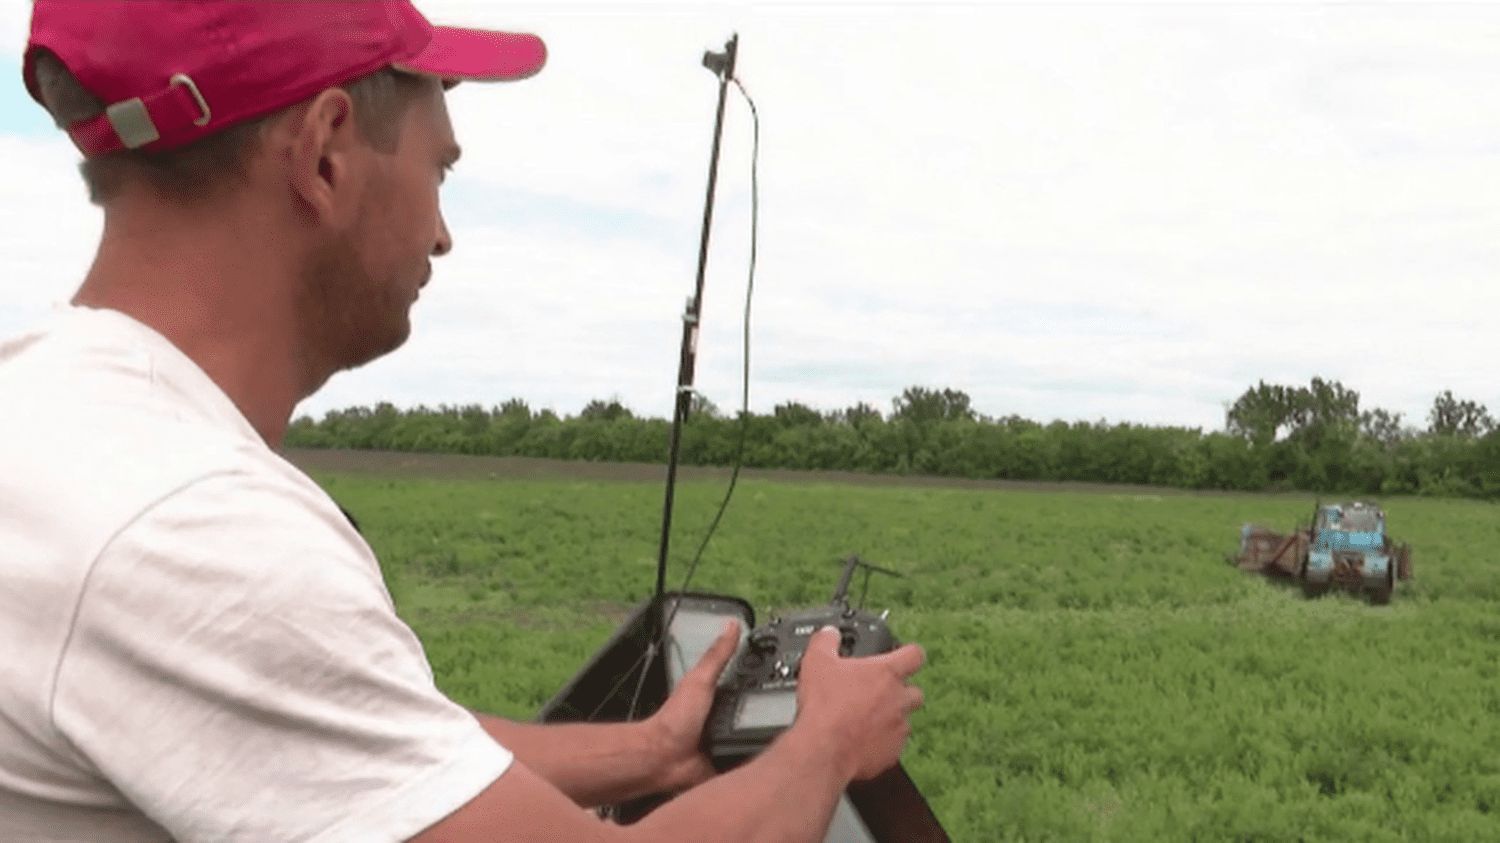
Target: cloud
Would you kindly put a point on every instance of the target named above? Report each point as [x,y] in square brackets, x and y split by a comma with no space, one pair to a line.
[1077,212]
[48,230]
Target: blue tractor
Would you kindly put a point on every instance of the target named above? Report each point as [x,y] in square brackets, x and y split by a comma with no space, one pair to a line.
[1346,546]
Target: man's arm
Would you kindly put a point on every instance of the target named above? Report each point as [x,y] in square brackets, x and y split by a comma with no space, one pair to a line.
[788,794]
[852,723]
[591,763]
[601,763]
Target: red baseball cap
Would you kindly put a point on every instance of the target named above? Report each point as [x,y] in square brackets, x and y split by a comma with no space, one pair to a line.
[174,71]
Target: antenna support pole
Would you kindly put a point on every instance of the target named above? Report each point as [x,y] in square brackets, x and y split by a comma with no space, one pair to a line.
[722,66]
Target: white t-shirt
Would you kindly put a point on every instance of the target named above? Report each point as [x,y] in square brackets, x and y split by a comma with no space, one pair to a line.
[194,642]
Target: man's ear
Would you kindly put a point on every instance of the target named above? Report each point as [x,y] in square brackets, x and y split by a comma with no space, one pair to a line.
[320,156]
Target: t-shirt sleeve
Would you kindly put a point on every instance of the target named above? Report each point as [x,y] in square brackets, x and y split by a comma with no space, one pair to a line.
[236,669]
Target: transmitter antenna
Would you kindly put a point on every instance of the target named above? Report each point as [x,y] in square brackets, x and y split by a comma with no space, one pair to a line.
[722,66]
[841,593]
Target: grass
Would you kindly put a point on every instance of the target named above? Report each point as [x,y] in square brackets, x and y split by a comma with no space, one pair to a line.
[1096,670]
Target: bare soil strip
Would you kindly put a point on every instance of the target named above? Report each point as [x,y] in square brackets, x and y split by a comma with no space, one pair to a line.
[466,467]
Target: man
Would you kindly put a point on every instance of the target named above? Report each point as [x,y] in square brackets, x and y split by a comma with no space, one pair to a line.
[198,644]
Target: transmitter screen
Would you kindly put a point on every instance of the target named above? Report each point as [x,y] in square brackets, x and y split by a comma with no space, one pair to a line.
[766,709]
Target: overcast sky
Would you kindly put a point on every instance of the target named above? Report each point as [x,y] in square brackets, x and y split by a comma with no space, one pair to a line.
[1128,212]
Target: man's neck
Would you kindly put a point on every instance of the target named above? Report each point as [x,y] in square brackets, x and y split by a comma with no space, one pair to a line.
[219,294]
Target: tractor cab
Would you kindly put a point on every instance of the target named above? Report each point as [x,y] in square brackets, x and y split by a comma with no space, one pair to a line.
[1350,526]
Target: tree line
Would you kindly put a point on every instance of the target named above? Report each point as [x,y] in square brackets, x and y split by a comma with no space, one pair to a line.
[1275,437]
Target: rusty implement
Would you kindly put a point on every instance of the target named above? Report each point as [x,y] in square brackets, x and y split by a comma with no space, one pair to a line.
[1266,551]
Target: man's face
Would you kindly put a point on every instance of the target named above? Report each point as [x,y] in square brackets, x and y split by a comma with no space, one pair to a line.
[365,280]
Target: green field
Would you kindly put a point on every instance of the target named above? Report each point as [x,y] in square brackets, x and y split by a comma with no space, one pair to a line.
[1096,670]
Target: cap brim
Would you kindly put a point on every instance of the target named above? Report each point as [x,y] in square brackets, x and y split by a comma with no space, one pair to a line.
[477,55]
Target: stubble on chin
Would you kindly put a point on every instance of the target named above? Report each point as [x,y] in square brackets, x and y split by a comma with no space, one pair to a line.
[346,317]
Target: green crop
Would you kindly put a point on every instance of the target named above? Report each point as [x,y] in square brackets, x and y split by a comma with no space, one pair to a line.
[1097,671]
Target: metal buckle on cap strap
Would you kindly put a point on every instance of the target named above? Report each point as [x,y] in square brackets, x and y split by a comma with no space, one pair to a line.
[138,121]
[187,82]
[131,119]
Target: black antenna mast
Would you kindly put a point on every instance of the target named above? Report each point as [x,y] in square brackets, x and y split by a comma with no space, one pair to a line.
[722,66]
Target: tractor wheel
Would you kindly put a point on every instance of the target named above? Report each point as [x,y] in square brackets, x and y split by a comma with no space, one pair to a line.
[1382,595]
[1309,589]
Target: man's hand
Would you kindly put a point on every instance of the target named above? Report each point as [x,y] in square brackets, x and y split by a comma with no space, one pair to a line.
[859,706]
[851,725]
[678,724]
